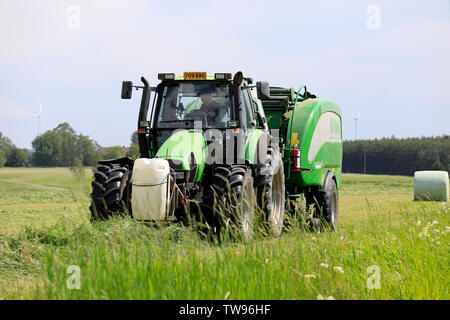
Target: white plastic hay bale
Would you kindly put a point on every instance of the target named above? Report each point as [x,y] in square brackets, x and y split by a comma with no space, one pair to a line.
[431,185]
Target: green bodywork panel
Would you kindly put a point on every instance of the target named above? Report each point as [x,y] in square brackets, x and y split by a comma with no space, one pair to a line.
[251,144]
[320,142]
[180,145]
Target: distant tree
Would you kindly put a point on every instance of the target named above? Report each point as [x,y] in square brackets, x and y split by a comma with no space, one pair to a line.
[114,152]
[133,151]
[62,147]
[397,156]
[2,159]
[65,128]
[437,165]
[10,155]
[4,141]
[5,149]
[68,151]
[87,150]
[48,149]
[134,138]
[18,158]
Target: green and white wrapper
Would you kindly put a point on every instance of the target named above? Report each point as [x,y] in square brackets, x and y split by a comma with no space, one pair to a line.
[431,186]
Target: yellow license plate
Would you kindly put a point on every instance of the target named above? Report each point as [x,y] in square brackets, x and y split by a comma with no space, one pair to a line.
[195,75]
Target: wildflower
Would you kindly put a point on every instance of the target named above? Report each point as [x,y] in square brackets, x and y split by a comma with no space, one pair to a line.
[447,229]
[296,272]
[342,238]
[321,297]
[338,269]
[434,222]
[307,276]
[438,243]
[323,265]
[227,295]
[267,260]
[418,223]
[314,239]
[424,232]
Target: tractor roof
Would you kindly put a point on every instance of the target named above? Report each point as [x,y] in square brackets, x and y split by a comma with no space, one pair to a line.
[195,76]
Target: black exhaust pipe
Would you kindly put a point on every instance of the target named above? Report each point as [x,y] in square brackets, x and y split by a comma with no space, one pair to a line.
[142,121]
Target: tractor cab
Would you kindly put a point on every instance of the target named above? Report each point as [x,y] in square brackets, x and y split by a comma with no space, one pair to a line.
[211,102]
[181,103]
[191,105]
[194,102]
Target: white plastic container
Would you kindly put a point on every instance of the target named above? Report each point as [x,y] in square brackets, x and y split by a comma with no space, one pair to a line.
[150,189]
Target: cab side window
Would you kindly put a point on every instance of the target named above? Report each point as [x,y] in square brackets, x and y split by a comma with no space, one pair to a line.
[259,121]
[248,108]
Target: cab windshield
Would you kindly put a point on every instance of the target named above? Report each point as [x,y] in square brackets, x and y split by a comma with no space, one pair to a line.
[185,103]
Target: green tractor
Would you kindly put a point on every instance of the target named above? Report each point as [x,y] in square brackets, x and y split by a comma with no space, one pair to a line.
[212,141]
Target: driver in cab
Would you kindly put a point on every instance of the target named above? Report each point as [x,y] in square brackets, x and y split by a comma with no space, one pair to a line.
[213,111]
[209,105]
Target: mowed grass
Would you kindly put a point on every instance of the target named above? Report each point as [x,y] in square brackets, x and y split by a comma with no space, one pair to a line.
[45,228]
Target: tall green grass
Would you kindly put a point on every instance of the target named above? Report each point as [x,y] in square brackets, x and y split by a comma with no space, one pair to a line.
[127,259]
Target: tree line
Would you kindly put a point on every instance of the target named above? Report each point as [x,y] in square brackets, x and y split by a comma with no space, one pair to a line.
[63,147]
[60,147]
[12,156]
[397,156]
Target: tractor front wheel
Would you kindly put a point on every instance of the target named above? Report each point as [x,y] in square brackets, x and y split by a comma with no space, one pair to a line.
[110,191]
[270,186]
[234,199]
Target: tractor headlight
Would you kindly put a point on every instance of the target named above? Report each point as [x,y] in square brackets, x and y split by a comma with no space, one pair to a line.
[183,176]
[179,175]
[166,76]
[222,76]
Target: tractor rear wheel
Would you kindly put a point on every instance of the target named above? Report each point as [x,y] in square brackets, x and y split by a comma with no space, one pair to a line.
[270,187]
[330,205]
[234,199]
[325,204]
[110,191]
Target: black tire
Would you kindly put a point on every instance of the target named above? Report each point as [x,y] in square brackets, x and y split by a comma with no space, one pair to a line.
[270,188]
[110,191]
[330,205]
[315,225]
[232,186]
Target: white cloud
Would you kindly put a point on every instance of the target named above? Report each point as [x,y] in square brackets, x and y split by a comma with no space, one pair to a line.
[9,108]
[31,30]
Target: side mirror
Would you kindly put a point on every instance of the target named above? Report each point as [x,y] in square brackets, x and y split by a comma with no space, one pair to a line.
[238,78]
[127,89]
[263,90]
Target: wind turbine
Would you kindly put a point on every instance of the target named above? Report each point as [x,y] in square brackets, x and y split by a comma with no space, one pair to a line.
[38,114]
[356,124]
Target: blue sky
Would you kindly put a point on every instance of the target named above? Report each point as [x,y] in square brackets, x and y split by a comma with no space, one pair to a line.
[396,75]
